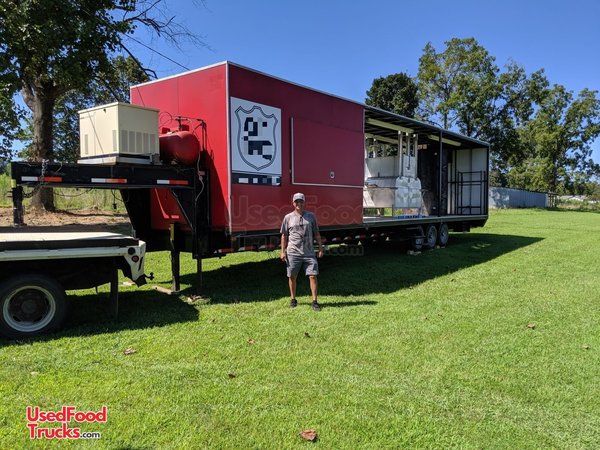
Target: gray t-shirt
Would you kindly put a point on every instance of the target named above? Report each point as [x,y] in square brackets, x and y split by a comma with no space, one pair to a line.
[300,231]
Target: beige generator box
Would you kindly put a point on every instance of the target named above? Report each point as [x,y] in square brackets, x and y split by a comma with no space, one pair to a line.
[118,132]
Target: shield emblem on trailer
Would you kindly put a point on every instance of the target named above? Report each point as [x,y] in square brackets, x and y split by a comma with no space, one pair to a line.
[256,139]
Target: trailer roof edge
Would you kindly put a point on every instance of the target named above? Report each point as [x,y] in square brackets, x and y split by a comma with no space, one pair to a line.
[199,69]
[428,125]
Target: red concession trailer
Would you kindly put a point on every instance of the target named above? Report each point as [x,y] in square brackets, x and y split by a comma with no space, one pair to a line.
[265,138]
[236,144]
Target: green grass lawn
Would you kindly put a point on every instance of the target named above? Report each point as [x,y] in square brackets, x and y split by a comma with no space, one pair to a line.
[409,351]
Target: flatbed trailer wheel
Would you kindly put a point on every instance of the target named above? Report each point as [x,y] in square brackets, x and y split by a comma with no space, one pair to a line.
[30,305]
[431,236]
[443,235]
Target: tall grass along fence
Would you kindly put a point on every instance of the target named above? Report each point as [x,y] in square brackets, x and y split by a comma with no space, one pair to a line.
[71,199]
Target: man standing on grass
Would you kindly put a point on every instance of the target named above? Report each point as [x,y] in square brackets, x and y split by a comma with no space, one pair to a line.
[298,230]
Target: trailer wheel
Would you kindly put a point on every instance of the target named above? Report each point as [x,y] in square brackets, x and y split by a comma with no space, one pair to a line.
[31,305]
[431,236]
[443,235]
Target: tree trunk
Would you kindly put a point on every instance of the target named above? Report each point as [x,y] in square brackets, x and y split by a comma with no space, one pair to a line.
[555,158]
[42,104]
[554,181]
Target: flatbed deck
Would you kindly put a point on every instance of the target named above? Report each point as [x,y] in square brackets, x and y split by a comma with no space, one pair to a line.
[23,240]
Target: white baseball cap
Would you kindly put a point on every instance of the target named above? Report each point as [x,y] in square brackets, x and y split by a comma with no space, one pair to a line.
[298,196]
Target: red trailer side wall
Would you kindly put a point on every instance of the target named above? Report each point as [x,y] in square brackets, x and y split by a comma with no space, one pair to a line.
[325,135]
[200,94]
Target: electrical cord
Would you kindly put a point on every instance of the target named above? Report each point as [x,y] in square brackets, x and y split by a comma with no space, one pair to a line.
[60,194]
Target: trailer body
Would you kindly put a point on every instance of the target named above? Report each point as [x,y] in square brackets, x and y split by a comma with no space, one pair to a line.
[266,138]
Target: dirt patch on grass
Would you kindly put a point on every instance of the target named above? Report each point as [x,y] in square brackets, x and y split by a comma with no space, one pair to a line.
[81,220]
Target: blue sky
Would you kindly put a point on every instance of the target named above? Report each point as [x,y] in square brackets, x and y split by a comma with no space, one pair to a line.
[340,46]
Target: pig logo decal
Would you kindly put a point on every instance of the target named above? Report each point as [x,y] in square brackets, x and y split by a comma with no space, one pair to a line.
[255,142]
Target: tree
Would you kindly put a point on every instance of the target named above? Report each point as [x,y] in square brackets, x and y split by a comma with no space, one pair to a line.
[9,120]
[464,89]
[396,93]
[560,135]
[464,73]
[55,47]
[511,106]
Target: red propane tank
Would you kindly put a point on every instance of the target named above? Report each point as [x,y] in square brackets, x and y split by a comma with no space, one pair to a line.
[179,147]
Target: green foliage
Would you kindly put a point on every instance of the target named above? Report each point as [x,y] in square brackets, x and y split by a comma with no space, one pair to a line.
[560,134]
[540,135]
[592,190]
[463,75]
[10,126]
[531,174]
[52,48]
[57,46]
[463,88]
[10,113]
[396,93]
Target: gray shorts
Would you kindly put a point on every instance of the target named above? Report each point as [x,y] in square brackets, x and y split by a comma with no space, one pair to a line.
[295,263]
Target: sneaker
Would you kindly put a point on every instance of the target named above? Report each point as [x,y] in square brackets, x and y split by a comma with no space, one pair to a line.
[293,303]
[316,306]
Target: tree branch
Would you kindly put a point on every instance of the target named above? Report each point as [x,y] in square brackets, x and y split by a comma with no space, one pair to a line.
[108,88]
[147,71]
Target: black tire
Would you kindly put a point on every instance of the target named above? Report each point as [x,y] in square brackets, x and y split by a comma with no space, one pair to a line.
[443,235]
[431,235]
[31,305]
